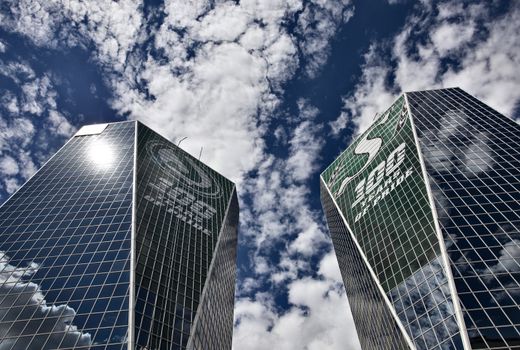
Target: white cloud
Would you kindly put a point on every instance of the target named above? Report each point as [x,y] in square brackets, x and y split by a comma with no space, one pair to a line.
[9,166]
[486,62]
[26,164]
[288,269]
[16,71]
[215,72]
[250,42]
[318,316]
[59,124]
[111,25]
[224,23]
[318,23]
[10,101]
[31,114]
[314,321]
[11,184]
[18,131]
[309,239]
[329,267]
[280,192]
[305,145]
[451,36]
[371,96]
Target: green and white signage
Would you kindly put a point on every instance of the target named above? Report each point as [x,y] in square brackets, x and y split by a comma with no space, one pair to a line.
[379,187]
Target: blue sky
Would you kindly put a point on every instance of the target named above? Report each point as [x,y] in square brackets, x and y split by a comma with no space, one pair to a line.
[272,90]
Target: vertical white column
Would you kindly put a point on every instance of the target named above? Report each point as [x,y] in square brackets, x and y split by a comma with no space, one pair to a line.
[442,246]
[131,298]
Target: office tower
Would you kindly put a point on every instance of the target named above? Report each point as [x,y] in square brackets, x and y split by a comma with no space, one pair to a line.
[120,241]
[424,213]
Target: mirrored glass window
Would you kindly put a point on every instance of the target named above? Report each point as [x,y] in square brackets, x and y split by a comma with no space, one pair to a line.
[65,248]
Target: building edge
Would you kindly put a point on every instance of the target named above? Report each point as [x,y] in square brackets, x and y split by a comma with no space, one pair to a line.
[372,273]
[442,246]
[131,292]
[203,296]
[38,170]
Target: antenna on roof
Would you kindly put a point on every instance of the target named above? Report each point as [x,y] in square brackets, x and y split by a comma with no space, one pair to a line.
[200,153]
[184,138]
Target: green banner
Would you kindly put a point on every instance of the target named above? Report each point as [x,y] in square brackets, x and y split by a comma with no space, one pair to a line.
[378,185]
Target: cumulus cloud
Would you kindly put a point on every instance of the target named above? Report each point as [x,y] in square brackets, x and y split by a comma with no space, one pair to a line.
[15,136]
[9,166]
[371,96]
[59,124]
[280,208]
[11,184]
[216,72]
[446,44]
[281,215]
[318,22]
[28,114]
[111,25]
[51,326]
[172,83]
[314,320]
[32,123]
[305,145]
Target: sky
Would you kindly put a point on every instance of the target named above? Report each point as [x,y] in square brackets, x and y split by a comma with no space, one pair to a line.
[271,90]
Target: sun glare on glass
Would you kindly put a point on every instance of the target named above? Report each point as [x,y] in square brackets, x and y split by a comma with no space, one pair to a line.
[101,154]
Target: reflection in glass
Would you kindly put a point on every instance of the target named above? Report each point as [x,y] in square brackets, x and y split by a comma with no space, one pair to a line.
[472,161]
[64,248]
[101,154]
[474,171]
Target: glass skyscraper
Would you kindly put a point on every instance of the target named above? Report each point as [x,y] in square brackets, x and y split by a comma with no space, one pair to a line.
[424,213]
[120,241]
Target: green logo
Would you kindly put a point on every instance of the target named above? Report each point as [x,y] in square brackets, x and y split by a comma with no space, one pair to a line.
[361,154]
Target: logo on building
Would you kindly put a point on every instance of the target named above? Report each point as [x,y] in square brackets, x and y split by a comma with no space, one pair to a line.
[185,189]
[380,182]
[186,170]
[369,147]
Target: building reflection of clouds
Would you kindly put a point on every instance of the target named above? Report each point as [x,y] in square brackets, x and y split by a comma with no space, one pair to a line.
[471,157]
[423,302]
[508,259]
[26,321]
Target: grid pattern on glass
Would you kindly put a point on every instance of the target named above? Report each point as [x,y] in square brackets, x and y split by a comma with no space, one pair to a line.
[388,183]
[387,207]
[65,248]
[423,303]
[473,160]
[214,319]
[181,206]
[375,325]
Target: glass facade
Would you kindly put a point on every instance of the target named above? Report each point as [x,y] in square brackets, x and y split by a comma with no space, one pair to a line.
[65,248]
[187,215]
[447,150]
[68,274]
[472,158]
[375,324]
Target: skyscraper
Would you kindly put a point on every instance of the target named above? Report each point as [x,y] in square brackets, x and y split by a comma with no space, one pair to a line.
[120,241]
[424,213]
